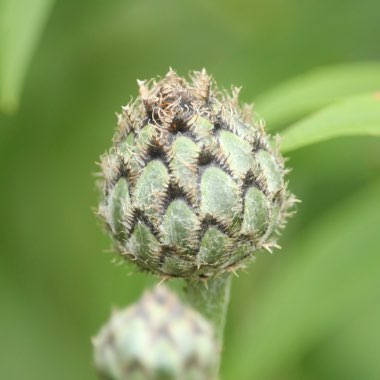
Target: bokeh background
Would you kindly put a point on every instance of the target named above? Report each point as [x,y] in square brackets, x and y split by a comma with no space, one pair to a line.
[310,311]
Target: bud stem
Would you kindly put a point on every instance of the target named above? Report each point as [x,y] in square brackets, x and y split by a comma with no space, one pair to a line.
[211,301]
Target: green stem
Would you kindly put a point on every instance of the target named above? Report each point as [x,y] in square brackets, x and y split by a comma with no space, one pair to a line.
[211,300]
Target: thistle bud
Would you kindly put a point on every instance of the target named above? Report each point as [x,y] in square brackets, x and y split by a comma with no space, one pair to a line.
[158,338]
[192,186]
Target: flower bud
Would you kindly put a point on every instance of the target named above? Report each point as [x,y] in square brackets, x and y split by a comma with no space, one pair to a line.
[192,186]
[158,338]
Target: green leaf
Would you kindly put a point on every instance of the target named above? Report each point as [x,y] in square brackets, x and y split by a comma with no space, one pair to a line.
[359,115]
[314,90]
[21,25]
[322,283]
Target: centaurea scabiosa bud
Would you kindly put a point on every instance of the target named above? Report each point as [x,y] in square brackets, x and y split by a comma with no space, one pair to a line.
[158,338]
[192,186]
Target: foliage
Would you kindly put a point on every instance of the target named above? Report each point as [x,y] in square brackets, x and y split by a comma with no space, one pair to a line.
[21,24]
[358,115]
[316,89]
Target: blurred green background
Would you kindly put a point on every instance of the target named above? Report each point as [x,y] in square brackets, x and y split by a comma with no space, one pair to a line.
[310,311]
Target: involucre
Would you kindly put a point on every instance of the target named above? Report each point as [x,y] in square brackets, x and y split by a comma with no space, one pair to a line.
[158,338]
[192,185]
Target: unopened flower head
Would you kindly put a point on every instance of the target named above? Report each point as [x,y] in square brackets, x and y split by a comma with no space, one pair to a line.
[192,185]
[157,338]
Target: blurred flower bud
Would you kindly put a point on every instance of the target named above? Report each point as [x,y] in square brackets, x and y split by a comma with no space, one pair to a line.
[158,338]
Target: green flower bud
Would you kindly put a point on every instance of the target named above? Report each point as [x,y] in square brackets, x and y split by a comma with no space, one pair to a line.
[158,338]
[192,186]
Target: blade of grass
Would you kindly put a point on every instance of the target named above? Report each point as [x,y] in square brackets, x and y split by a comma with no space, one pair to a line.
[315,89]
[21,25]
[359,115]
